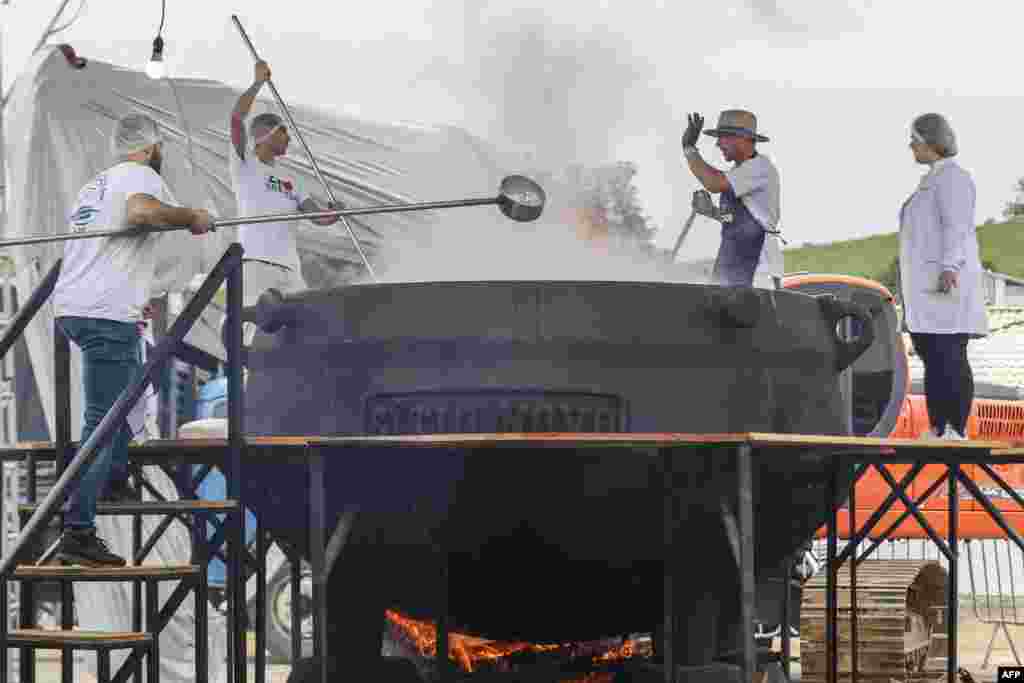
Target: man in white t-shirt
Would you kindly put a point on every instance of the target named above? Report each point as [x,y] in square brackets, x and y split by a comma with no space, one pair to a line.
[98,302]
[749,205]
[263,187]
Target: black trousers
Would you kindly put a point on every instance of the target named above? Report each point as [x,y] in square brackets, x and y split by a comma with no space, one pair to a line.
[948,380]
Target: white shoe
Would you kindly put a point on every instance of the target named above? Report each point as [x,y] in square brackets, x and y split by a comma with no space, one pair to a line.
[930,435]
[952,435]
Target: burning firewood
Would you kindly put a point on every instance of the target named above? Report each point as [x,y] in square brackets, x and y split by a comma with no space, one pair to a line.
[481,660]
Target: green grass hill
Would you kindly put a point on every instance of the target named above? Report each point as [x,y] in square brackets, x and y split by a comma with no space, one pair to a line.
[1002,250]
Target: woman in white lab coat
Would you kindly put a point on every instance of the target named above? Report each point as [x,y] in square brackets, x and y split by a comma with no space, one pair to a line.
[940,270]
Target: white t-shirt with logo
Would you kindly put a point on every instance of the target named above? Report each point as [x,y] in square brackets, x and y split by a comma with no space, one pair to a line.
[756,183]
[109,277]
[262,189]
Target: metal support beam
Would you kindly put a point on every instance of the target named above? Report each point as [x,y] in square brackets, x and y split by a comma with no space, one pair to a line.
[787,652]
[920,500]
[261,603]
[339,537]
[62,445]
[236,446]
[831,595]
[317,523]
[445,673]
[25,314]
[745,513]
[853,583]
[880,511]
[905,499]
[669,516]
[953,593]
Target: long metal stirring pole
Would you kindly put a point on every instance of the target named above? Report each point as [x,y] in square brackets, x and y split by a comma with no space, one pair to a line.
[309,153]
[251,220]
[682,235]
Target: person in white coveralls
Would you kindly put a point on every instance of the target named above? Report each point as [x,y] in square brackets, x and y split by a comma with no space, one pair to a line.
[940,273]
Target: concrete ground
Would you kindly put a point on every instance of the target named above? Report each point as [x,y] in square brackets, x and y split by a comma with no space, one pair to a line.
[973,637]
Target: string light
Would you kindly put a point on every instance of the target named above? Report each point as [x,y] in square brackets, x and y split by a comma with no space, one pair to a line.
[156,69]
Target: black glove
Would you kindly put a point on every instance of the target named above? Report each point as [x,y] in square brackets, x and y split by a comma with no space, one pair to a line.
[703,204]
[693,129]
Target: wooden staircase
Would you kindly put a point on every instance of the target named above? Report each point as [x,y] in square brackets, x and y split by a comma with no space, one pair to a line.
[149,616]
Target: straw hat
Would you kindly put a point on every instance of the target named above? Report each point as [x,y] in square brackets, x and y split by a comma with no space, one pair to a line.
[737,122]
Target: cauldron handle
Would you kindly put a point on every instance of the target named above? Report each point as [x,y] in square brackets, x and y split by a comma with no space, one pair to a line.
[270,313]
[836,309]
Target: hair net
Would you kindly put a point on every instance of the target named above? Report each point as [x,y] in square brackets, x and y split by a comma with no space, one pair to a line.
[133,133]
[262,126]
[935,130]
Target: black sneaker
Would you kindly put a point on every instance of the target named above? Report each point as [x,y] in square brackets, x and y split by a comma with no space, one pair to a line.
[120,491]
[85,548]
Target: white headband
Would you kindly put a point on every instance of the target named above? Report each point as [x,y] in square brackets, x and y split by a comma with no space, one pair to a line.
[917,136]
[263,138]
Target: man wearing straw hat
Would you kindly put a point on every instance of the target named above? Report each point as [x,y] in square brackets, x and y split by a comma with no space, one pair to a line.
[749,204]
[262,187]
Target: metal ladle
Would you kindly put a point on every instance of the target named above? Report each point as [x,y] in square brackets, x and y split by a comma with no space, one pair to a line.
[519,198]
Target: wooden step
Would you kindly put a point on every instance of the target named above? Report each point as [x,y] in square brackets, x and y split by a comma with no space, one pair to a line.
[56,639]
[154,507]
[160,450]
[31,572]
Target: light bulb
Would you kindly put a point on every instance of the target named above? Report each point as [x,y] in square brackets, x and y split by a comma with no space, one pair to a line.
[155,68]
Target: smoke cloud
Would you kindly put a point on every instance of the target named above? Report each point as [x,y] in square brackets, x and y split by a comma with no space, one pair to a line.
[808,16]
[546,96]
[555,93]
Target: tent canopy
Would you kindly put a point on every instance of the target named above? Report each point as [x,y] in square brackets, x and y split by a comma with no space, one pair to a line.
[58,123]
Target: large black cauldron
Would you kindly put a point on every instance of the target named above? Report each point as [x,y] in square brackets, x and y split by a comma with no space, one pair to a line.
[547,546]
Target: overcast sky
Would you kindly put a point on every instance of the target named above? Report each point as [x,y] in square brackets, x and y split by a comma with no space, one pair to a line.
[834,83]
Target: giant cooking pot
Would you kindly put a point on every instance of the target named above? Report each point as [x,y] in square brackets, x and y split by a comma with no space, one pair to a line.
[545,545]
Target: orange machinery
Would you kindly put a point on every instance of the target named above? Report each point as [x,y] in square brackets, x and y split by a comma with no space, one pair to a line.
[996,419]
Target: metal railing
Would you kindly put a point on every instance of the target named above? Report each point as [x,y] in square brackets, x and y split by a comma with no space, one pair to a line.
[29,310]
[227,270]
[995,589]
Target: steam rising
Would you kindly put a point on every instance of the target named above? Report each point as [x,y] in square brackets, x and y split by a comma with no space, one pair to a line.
[547,96]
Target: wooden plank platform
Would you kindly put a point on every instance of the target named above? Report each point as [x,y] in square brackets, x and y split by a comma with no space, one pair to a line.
[153,507]
[39,637]
[79,572]
[298,447]
[645,440]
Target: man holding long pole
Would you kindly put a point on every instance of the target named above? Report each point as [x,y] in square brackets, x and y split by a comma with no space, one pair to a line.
[262,186]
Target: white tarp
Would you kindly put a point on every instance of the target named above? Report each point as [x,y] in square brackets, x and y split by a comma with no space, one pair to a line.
[57,126]
[58,122]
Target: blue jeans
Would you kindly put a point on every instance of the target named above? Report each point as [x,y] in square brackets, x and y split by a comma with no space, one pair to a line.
[110,359]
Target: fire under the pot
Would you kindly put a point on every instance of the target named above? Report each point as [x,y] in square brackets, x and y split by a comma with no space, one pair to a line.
[477,658]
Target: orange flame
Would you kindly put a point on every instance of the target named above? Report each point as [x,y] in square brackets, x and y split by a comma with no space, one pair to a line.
[469,652]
